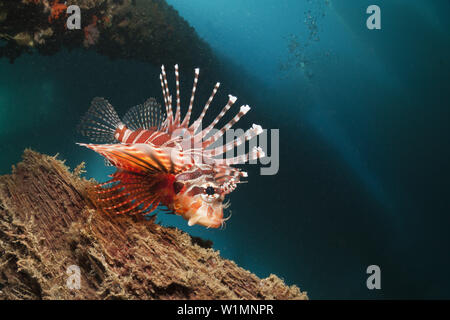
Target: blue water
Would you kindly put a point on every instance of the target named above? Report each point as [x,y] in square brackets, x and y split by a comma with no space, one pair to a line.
[364,128]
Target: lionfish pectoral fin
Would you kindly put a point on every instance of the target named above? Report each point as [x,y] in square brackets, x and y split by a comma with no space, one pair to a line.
[131,193]
[143,158]
[107,162]
[142,181]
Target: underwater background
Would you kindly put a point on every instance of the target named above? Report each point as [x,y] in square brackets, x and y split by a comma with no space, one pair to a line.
[364,135]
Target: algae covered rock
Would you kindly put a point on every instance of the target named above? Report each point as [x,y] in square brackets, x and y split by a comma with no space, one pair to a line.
[50,228]
[144,30]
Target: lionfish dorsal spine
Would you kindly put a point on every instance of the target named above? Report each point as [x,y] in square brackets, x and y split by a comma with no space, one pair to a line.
[197,123]
[231,100]
[173,122]
[254,154]
[254,131]
[187,117]
[177,82]
[243,110]
[167,98]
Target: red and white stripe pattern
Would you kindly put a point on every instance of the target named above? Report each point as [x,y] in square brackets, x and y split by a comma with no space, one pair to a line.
[187,117]
[144,158]
[125,135]
[198,122]
[254,131]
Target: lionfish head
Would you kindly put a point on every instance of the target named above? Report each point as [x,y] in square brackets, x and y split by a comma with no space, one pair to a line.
[200,194]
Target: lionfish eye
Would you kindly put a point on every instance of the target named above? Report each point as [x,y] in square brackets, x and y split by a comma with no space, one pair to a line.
[210,191]
[177,186]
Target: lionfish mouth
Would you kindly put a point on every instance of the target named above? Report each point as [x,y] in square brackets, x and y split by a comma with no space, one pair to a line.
[223,222]
[216,223]
[210,222]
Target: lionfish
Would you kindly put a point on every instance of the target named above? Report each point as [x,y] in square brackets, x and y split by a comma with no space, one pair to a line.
[163,160]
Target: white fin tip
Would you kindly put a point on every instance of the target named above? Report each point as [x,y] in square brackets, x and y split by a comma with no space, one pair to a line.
[257,128]
[258,151]
[245,108]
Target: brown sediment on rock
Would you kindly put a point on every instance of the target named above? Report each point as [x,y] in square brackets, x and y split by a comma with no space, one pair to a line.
[144,30]
[48,223]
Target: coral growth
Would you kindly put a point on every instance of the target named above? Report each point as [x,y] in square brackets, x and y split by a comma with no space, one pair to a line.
[91,33]
[57,10]
[145,30]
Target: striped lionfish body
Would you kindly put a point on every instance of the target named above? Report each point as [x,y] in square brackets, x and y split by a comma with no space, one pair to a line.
[163,160]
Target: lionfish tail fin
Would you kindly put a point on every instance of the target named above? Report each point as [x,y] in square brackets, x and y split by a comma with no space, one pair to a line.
[100,122]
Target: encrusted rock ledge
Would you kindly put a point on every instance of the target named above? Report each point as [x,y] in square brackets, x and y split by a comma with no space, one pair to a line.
[48,223]
[145,30]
